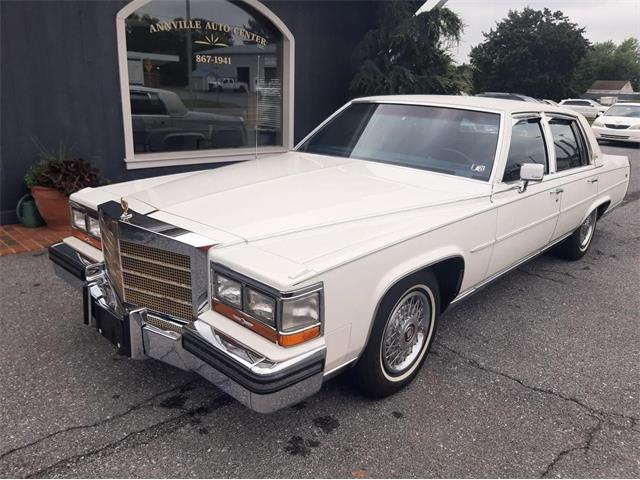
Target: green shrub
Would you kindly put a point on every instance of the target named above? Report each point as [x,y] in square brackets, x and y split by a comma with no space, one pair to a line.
[60,170]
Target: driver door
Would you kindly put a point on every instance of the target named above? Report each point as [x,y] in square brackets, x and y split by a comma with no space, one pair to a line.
[526,220]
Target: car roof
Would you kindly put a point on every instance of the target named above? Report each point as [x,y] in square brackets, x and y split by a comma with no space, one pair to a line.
[469,102]
[633,104]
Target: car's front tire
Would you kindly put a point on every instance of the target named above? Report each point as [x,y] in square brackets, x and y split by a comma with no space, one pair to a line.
[401,336]
[576,245]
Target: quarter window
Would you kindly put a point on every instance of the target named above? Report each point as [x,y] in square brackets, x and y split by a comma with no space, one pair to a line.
[568,144]
[527,146]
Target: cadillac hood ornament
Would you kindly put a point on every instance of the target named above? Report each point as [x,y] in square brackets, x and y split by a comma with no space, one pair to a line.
[125,210]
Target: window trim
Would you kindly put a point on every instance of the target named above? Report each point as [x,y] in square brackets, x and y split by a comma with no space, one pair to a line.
[192,157]
[541,121]
[582,139]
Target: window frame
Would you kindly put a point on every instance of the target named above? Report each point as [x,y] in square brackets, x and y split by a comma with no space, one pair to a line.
[134,160]
[583,140]
[515,119]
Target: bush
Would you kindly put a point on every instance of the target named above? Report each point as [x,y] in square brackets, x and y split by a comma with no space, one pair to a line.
[61,171]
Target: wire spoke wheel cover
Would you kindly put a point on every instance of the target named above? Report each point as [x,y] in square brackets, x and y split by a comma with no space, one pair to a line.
[407,332]
[586,230]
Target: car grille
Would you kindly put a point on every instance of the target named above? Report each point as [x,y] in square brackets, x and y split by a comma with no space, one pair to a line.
[616,127]
[157,279]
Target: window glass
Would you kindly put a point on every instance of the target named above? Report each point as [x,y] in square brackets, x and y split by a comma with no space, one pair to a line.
[527,146]
[632,111]
[203,75]
[568,144]
[446,140]
[577,102]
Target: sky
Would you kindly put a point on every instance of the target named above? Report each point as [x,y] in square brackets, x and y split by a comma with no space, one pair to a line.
[603,19]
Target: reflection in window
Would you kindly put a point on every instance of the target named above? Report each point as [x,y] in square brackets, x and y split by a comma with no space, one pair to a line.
[569,149]
[527,146]
[203,75]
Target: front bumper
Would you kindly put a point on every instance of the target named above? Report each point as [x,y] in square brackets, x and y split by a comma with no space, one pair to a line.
[257,382]
[615,134]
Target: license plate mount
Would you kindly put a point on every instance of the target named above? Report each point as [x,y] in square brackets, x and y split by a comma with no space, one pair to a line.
[113,327]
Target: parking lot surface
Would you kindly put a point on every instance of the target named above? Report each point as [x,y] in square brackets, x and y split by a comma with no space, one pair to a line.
[537,376]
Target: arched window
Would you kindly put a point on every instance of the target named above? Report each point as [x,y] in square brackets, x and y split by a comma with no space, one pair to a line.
[203,81]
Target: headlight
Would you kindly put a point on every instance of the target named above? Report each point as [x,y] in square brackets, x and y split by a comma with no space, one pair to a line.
[227,290]
[78,219]
[300,312]
[598,122]
[93,225]
[260,306]
[635,127]
[286,319]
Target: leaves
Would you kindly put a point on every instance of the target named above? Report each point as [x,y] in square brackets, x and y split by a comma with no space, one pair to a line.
[533,52]
[606,61]
[58,169]
[408,53]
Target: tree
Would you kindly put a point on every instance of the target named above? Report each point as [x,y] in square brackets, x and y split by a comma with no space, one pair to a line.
[409,53]
[531,52]
[606,61]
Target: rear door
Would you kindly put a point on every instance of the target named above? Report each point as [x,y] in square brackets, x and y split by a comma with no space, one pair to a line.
[526,220]
[573,170]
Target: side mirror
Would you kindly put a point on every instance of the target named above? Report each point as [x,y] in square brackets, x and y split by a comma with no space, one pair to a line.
[530,172]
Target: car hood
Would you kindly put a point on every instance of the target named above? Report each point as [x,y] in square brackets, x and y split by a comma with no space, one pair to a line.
[612,119]
[292,192]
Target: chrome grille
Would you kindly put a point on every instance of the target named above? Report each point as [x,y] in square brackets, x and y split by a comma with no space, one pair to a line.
[616,126]
[110,250]
[157,279]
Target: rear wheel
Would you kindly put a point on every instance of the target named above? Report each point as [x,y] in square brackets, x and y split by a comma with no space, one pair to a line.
[401,336]
[576,245]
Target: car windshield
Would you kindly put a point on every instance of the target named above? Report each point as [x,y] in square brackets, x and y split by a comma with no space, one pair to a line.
[440,139]
[624,111]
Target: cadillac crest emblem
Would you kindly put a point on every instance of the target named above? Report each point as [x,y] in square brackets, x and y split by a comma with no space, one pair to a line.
[125,210]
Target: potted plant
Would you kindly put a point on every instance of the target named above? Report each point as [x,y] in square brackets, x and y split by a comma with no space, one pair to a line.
[56,176]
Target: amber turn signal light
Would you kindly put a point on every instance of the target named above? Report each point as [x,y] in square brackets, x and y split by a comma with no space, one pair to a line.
[298,337]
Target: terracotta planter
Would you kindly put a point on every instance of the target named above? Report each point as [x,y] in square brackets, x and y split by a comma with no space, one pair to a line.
[53,207]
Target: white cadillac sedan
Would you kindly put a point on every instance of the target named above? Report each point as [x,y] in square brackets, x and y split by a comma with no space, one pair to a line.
[268,277]
[621,123]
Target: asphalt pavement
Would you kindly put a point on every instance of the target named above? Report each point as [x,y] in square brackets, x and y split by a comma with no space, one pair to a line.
[537,376]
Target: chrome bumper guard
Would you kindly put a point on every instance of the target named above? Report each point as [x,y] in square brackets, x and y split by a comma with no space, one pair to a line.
[257,382]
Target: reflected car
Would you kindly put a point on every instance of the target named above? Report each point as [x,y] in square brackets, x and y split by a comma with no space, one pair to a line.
[588,108]
[270,276]
[228,84]
[162,122]
[621,122]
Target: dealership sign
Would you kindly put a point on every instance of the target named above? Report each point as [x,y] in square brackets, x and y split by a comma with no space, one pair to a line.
[208,27]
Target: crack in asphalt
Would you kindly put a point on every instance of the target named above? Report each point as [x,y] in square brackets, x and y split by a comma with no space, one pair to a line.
[594,411]
[538,275]
[586,445]
[157,430]
[99,423]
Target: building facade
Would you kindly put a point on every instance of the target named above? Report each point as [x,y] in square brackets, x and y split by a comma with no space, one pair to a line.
[149,87]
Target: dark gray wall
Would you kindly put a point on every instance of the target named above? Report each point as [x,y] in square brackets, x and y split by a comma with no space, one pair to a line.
[59,79]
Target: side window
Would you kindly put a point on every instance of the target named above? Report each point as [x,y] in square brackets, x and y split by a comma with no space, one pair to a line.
[143,103]
[568,143]
[527,146]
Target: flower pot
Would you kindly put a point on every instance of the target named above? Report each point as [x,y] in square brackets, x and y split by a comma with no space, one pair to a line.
[53,206]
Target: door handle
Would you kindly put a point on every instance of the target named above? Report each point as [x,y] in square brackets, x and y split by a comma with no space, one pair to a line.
[592,180]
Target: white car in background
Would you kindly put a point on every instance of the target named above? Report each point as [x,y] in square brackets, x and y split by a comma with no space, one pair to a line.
[588,108]
[621,122]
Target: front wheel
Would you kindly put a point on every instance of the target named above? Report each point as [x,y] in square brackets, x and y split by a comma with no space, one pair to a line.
[576,245]
[401,336]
